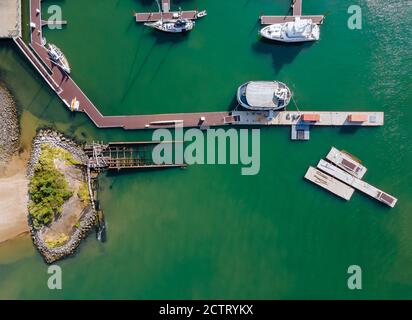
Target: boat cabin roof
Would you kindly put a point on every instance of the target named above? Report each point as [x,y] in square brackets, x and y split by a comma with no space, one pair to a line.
[262,93]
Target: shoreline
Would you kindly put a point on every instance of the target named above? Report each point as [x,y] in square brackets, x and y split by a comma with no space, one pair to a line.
[13,181]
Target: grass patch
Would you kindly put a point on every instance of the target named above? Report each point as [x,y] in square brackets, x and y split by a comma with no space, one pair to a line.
[83,193]
[62,239]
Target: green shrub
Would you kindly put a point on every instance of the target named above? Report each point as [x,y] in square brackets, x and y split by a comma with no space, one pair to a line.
[48,188]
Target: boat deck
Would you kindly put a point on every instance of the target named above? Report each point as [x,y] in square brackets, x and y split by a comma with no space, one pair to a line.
[329,183]
[297,11]
[346,162]
[356,183]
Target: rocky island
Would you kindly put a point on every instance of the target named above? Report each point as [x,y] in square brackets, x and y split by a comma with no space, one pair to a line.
[61,210]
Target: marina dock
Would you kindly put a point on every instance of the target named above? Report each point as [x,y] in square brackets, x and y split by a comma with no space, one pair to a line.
[356,183]
[296,12]
[67,90]
[329,183]
[167,14]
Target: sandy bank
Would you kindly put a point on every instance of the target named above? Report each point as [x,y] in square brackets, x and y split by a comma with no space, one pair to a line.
[13,206]
[13,181]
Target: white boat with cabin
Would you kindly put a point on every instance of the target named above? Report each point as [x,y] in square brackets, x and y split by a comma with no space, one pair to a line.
[264,95]
[300,30]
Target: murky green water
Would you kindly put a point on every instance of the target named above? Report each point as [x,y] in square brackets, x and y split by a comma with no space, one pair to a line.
[208,232]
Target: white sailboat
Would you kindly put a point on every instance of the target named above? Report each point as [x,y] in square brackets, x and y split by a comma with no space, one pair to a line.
[58,58]
[300,30]
[176,25]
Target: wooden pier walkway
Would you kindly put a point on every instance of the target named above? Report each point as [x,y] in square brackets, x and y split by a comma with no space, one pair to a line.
[297,11]
[124,155]
[167,14]
[67,90]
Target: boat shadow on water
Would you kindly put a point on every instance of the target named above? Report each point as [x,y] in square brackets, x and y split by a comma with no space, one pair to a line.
[282,53]
[168,37]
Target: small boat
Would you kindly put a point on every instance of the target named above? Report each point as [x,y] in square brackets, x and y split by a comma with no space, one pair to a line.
[173,25]
[201,14]
[299,30]
[74,105]
[264,95]
[58,58]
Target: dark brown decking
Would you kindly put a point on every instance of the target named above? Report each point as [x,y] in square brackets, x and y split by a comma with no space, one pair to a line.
[155,16]
[297,7]
[281,19]
[297,11]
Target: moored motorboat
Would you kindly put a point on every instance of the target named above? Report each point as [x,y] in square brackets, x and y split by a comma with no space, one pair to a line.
[300,30]
[58,58]
[264,95]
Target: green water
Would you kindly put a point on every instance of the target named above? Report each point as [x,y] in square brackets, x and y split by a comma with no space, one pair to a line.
[208,232]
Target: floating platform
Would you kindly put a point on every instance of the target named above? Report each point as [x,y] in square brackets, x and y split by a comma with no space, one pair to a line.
[329,183]
[356,183]
[300,132]
[346,162]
